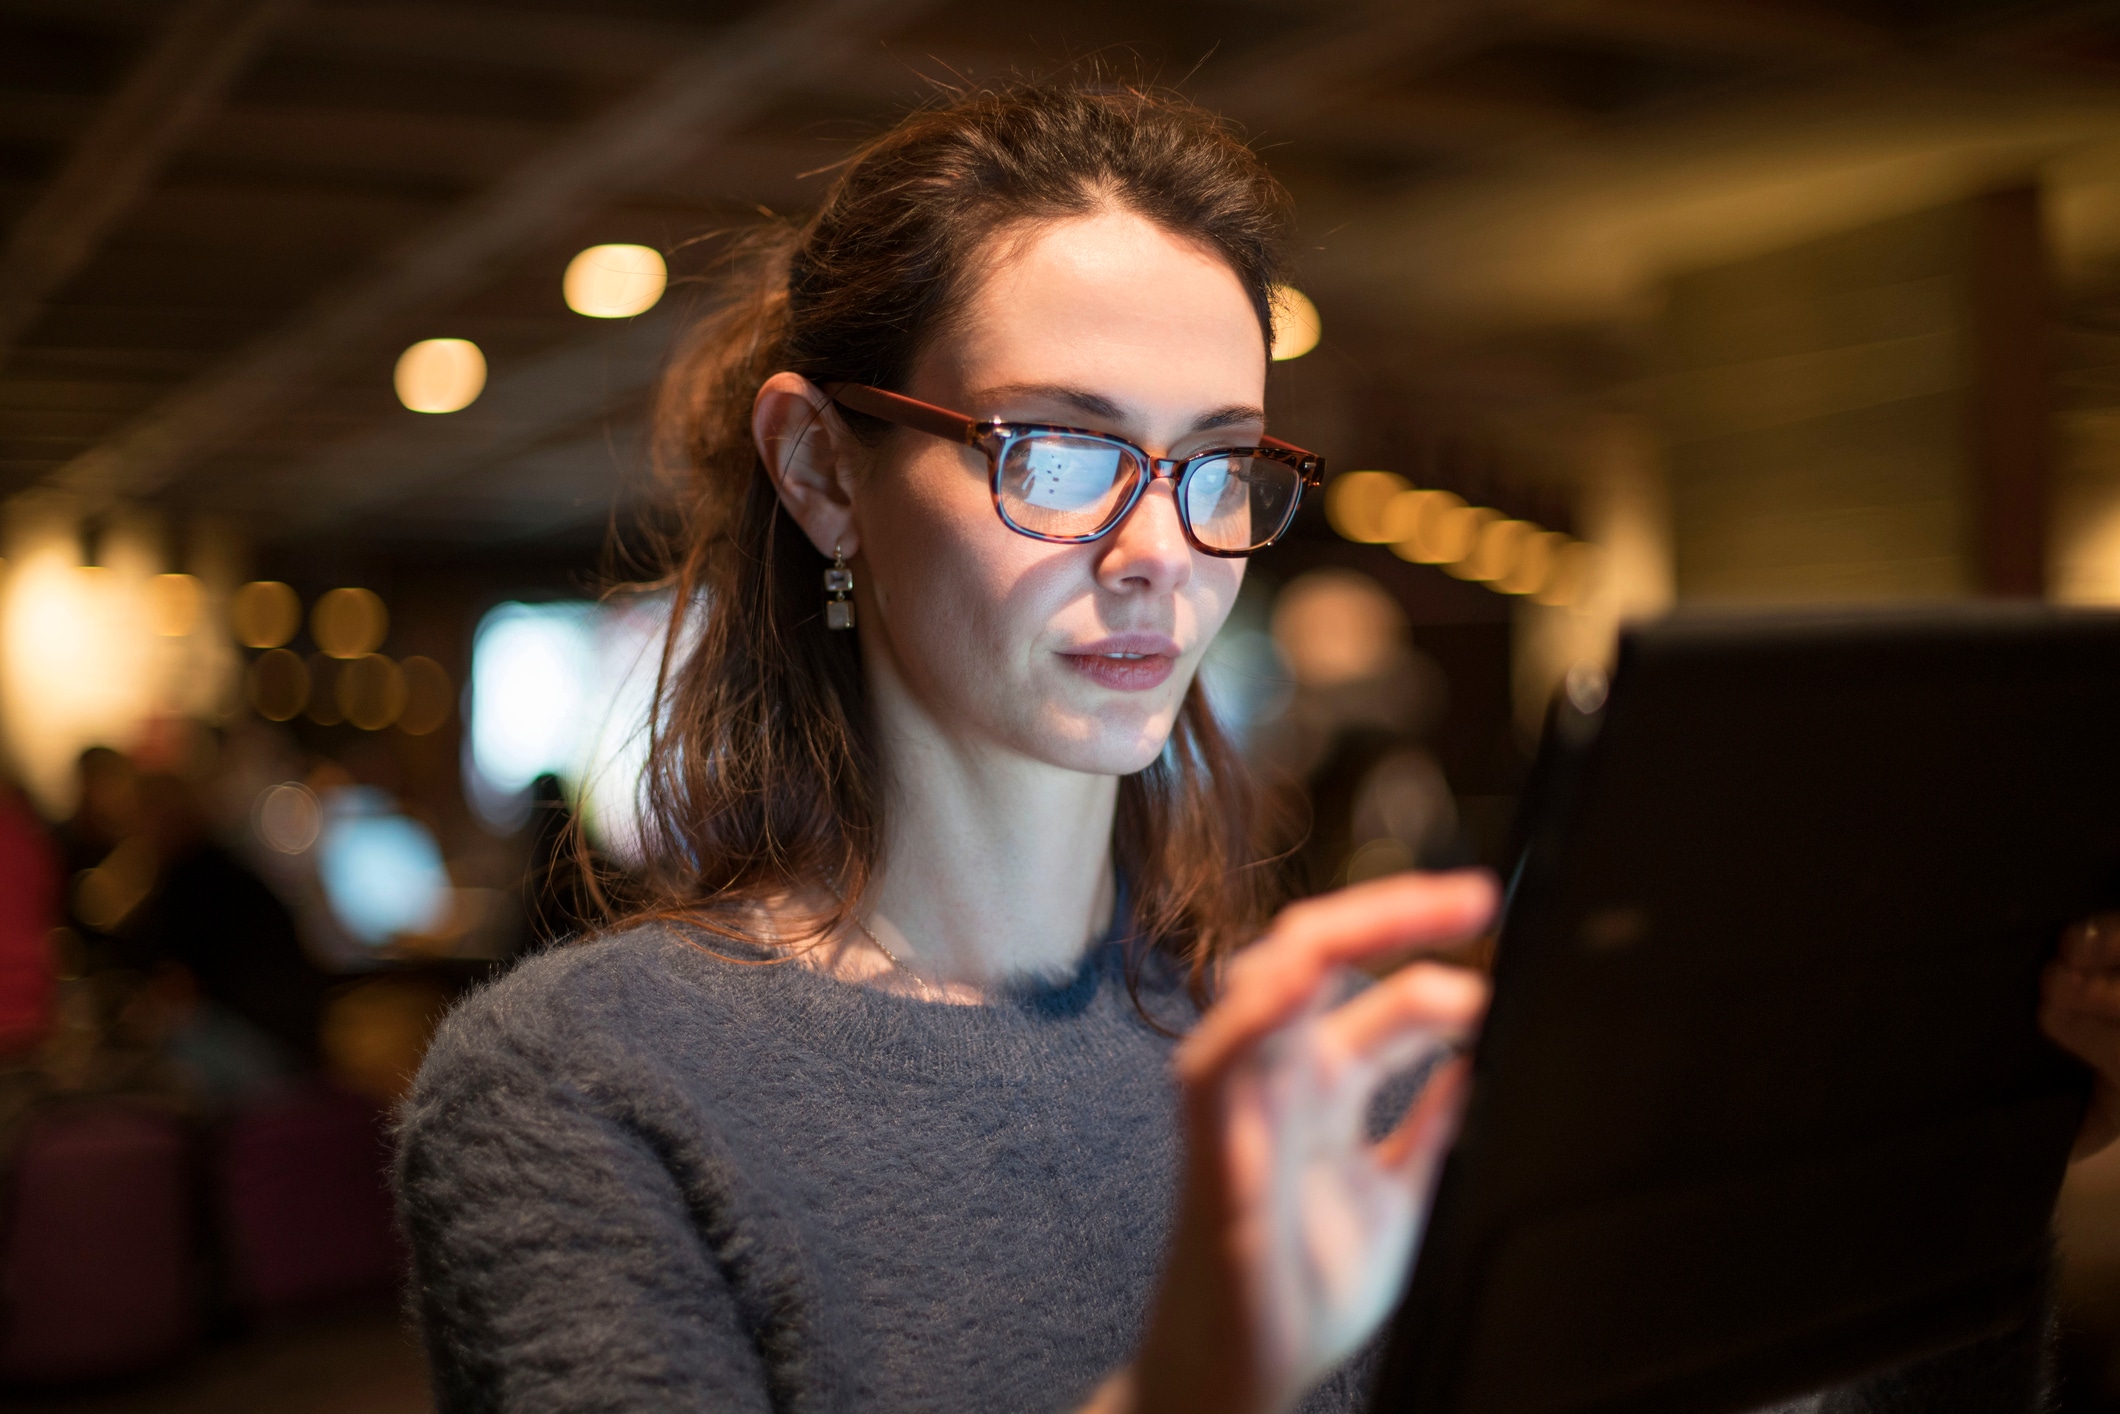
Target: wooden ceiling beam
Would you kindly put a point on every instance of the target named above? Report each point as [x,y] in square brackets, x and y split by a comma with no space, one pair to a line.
[1736,28]
[1280,90]
[707,93]
[172,89]
[338,150]
[516,36]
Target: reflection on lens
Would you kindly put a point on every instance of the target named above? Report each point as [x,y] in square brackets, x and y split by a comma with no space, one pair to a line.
[1239,503]
[1059,485]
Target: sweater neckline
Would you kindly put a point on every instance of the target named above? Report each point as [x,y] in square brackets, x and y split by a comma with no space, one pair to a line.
[1019,1031]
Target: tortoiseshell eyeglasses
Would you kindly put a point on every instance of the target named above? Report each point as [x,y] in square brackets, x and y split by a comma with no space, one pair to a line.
[1068,485]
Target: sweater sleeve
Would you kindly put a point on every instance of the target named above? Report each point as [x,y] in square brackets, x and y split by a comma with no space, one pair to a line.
[2008,1373]
[556,1265]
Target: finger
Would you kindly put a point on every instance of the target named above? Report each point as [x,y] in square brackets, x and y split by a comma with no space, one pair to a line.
[1401,911]
[1431,1123]
[1427,999]
[2092,942]
[1278,976]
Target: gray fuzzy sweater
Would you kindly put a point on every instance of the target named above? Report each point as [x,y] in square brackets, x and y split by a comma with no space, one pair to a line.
[637,1176]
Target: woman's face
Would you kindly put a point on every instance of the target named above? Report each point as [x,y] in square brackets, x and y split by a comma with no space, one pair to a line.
[1074,655]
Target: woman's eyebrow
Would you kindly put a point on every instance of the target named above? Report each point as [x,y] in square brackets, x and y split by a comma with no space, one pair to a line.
[1235,415]
[1099,406]
[1081,399]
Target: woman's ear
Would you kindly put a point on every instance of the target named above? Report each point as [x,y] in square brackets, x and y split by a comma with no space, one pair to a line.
[811,457]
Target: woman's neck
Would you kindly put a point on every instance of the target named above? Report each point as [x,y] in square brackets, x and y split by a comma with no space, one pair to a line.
[994,866]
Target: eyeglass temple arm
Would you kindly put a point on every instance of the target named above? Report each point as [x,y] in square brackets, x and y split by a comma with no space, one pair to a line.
[1313,464]
[906,412]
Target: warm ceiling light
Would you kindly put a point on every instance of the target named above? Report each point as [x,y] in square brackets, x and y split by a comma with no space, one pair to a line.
[1453,536]
[1355,501]
[440,375]
[1426,526]
[1570,580]
[1494,551]
[1295,323]
[371,692]
[614,281]
[347,623]
[1534,563]
[429,697]
[278,685]
[173,604]
[266,614]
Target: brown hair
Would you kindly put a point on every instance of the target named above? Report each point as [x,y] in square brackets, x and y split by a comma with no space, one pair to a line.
[761,772]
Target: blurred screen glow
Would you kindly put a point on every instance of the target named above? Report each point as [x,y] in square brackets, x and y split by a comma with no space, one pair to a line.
[382,871]
[564,688]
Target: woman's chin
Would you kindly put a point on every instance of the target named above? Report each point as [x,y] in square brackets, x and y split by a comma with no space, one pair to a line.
[1100,746]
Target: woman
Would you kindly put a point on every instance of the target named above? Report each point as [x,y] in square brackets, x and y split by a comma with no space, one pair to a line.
[875,1112]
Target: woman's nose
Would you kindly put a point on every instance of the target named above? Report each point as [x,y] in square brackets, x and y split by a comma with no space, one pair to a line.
[1147,552]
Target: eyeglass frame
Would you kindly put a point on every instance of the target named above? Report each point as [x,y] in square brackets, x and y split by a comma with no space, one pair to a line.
[994,436]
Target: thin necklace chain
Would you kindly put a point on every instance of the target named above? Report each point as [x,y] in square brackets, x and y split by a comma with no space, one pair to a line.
[926,988]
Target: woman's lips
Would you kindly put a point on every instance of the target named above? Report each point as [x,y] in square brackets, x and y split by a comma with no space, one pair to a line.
[1133,663]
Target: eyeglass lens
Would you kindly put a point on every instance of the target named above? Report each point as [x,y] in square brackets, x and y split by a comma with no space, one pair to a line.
[1053,484]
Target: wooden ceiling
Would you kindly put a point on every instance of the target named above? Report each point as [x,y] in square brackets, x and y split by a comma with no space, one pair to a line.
[225,218]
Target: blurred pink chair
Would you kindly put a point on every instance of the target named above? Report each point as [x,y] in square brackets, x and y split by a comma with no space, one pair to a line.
[305,1201]
[97,1270]
[29,909]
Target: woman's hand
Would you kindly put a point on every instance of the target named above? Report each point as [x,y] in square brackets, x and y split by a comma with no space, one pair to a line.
[2080,1010]
[1294,1232]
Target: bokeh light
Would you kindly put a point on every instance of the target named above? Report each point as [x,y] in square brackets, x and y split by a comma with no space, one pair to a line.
[1355,502]
[382,871]
[105,894]
[1535,560]
[440,375]
[1425,520]
[1452,535]
[429,696]
[371,691]
[265,613]
[1336,626]
[277,685]
[1572,577]
[1296,326]
[532,666]
[1495,551]
[347,623]
[173,603]
[614,281]
[287,817]
[564,688]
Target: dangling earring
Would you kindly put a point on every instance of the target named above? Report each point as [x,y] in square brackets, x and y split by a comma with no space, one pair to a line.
[838,581]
